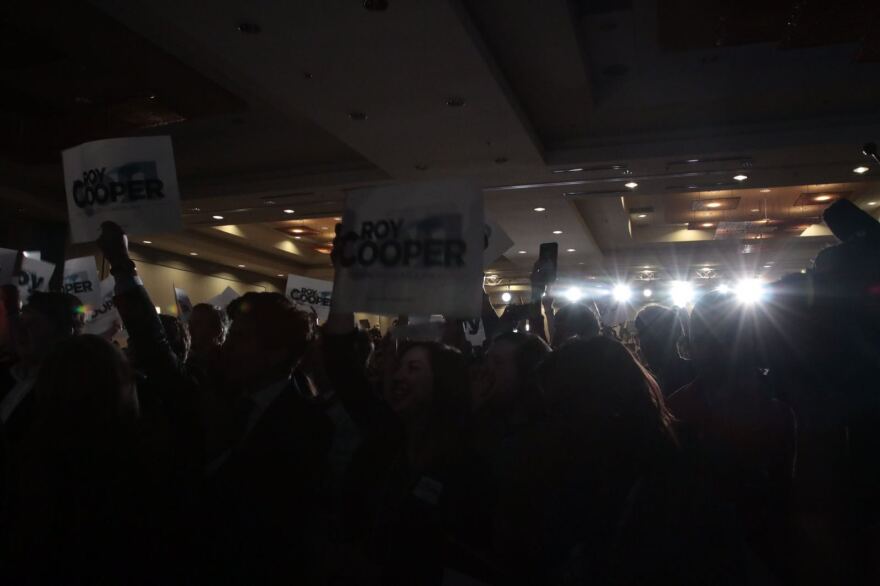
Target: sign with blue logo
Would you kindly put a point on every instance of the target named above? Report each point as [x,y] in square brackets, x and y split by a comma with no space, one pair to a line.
[413,249]
[130,181]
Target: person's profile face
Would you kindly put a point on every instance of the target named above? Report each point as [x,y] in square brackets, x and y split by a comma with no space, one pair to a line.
[412,386]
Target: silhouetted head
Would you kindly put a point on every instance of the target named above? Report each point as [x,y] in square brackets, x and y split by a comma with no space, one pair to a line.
[658,330]
[207,328]
[723,337]
[598,390]
[47,319]
[178,335]
[510,365]
[574,319]
[85,390]
[267,338]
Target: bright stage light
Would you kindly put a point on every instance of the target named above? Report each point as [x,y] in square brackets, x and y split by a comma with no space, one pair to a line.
[621,293]
[647,292]
[722,288]
[681,293]
[573,294]
[750,291]
[506,297]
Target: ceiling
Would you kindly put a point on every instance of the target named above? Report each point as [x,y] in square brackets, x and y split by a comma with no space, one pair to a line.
[276,106]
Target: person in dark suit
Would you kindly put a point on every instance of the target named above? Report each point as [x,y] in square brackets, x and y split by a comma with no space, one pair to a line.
[263,489]
[267,488]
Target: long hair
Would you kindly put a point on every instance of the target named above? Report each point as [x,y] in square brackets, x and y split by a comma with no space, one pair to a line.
[603,392]
[451,398]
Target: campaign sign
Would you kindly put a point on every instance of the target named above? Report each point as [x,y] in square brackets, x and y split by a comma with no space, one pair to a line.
[33,276]
[184,305]
[130,181]
[7,265]
[81,279]
[414,249]
[313,294]
[224,299]
[102,316]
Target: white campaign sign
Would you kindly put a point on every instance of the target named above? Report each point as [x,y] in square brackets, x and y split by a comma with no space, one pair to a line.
[312,293]
[104,314]
[34,276]
[7,265]
[497,242]
[81,279]
[413,249]
[224,299]
[130,181]
[184,305]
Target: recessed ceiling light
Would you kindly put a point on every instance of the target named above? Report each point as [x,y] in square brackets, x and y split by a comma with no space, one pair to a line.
[241,266]
[557,231]
[540,209]
[765,191]
[631,184]
[150,241]
[642,216]
[338,219]
[693,160]
[755,210]
[522,252]
[193,253]
[713,204]
[740,177]
[707,225]
[822,197]
[279,275]
[297,237]
[324,228]
[288,211]
[768,266]
[872,203]
[217,217]
[297,230]
[570,250]
[860,170]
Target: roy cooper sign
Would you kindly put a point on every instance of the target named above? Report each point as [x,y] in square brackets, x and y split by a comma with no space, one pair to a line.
[414,249]
[131,181]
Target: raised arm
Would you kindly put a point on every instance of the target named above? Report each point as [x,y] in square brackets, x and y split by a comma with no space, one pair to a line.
[146,335]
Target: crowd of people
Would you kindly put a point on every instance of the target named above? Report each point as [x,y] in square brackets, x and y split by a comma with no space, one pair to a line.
[732,444]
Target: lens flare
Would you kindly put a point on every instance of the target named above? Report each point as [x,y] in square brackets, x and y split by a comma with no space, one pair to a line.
[750,291]
[681,293]
[621,293]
